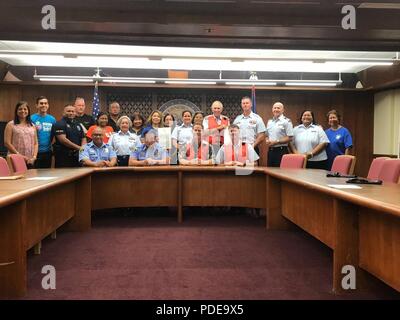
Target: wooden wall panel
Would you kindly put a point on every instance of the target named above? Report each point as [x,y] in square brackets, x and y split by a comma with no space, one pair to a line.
[9,96]
[357,108]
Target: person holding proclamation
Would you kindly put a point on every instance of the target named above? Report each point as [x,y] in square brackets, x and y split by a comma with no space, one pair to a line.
[97,153]
[215,126]
[81,117]
[252,127]
[198,151]
[124,142]
[311,140]
[236,152]
[20,136]
[102,122]
[43,123]
[150,152]
[69,139]
[279,134]
[114,111]
[340,140]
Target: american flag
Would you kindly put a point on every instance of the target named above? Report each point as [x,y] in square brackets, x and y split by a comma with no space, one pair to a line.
[96,101]
[253,98]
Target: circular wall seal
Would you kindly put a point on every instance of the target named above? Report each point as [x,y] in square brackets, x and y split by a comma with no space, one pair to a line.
[177,106]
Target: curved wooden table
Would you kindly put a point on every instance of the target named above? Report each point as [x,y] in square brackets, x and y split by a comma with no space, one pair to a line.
[361,226]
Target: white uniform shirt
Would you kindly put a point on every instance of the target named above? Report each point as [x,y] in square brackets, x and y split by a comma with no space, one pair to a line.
[250,126]
[183,134]
[279,128]
[124,143]
[307,138]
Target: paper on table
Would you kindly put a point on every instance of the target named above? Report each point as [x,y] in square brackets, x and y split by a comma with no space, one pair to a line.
[344,186]
[164,137]
[12,177]
[42,178]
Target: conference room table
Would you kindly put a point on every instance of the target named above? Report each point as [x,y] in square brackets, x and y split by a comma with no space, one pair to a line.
[361,226]
[32,208]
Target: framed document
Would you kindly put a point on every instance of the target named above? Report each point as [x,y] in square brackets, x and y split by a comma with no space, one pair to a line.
[164,137]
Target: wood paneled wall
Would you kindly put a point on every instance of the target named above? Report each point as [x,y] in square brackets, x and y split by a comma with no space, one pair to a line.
[357,108]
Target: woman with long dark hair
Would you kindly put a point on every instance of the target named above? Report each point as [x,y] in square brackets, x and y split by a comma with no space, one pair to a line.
[20,136]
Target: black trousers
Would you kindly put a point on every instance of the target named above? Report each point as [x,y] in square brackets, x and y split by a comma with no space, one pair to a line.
[123,161]
[43,160]
[67,159]
[317,164]
[275,156]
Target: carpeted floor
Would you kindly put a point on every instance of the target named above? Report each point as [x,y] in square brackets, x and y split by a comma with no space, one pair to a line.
[212,255]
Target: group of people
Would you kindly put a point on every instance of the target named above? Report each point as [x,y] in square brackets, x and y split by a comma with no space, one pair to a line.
[78,139]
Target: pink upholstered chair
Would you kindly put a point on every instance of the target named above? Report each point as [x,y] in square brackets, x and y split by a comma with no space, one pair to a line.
[344,164]
[17,163]
[293,161]
[390,171]
[4,169]
[375,167]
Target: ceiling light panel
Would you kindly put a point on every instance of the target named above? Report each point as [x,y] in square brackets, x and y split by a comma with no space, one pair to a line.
[164,58]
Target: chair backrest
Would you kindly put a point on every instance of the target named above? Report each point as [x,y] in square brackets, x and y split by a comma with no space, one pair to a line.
[4,169]
[17,163]
[375,167]
[293,161]
[390,171]
[344,164]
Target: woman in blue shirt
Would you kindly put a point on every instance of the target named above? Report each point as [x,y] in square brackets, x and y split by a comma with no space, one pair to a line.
[339,138]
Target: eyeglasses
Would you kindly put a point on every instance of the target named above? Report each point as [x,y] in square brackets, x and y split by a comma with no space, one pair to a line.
[97,134]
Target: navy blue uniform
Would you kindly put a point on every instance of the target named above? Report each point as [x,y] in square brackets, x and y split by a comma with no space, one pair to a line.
[64,156]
